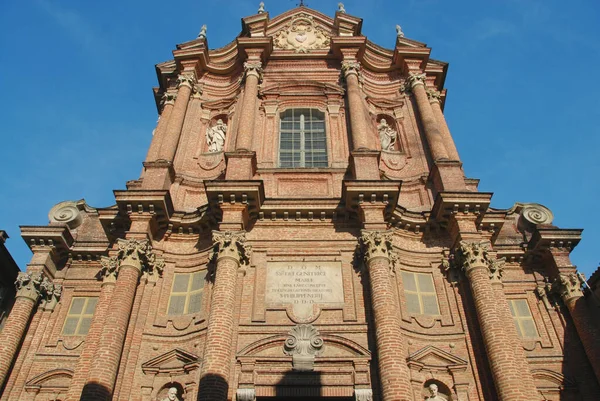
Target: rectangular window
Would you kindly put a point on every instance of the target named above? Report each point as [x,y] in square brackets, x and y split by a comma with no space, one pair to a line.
[519,309]
[79,318]
[186,293]
[421,298]
[302,140]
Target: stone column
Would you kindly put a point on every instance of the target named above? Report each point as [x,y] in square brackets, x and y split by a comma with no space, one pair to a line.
[360,141]
[30,287]
[168,100]
[569,288]
[80,375]
[434,100]
[253,74]
[513,382]
[391,353]
[170,140]
[430,125]
[133,256]
[230,252]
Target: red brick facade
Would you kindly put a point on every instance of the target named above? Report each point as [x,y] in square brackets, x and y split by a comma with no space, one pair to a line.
[255,260]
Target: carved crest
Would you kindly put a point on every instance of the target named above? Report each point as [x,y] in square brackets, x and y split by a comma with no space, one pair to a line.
[303,344]
[301,35]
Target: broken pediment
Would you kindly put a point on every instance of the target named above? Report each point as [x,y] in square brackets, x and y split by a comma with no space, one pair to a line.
[174,362]
[433,358]
[56,379]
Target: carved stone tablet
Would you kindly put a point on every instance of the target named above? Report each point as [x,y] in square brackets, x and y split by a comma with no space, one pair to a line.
[304,283]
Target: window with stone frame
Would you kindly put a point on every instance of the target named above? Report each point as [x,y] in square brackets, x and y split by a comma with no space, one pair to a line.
[302,139]
[186,293]
[519,309]
[79,317]
[420,294]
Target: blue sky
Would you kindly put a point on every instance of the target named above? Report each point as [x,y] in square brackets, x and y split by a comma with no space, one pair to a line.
[77,109]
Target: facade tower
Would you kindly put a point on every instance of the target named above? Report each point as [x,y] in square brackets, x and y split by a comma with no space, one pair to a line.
[302,229]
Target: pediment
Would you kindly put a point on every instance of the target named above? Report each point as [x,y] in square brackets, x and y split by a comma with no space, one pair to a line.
[53,379]
[176,361]
[434,358]
[334,346]
[548,379]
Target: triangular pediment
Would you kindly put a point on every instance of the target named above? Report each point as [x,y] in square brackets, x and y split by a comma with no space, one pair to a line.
[435,358]
[174,361]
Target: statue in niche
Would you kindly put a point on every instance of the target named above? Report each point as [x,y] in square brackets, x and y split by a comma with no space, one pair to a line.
[215,136]
[434,395]
[171,395]
[387,135]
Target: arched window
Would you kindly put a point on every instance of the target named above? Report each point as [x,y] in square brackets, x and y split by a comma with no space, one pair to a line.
[302,139]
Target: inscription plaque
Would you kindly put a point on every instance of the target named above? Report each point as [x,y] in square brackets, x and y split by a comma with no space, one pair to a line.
[304,283]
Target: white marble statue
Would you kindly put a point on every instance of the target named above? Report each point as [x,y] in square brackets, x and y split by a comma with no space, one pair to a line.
[387,135]
[202,34]
[261,7]
[341,8]
[433,390]
[215,136]
[171,395]
[399,32]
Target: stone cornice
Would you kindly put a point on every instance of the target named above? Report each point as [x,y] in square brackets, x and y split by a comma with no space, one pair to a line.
[550,237]
[55,238]
[448,203]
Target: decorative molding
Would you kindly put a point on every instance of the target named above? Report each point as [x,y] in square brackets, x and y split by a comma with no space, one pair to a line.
[303,345]
[172,363]
[301,35]
[568,286]
[231,244]
[535,213]
[415,79]
[245,394]
[363,394]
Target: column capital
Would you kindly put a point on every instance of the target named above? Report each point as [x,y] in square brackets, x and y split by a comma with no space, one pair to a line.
[168,97]
[253,68]
[376,244]
[415,78]
[434,96]
[231,244]
[350,67]
[473,255]
[186,79]
[37,287]
[131,252]
[568,286]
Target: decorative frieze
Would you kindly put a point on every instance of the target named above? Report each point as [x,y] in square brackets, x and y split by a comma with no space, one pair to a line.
[568,286]
[231,244]
[303,344]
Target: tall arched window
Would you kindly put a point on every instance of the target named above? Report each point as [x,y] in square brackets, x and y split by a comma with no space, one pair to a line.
[302,139]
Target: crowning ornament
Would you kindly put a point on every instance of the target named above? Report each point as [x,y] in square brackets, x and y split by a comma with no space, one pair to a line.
[301,35]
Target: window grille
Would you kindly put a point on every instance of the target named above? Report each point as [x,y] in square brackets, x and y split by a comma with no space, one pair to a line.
[186,293]
[302,139]
[419,291]
[79,318]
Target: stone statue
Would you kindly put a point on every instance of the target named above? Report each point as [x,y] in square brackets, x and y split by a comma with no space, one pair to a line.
[202,34]
[261,7]
[341,8]
[387,135]
[399,32]
[215,136]
[171,395]
[433,390]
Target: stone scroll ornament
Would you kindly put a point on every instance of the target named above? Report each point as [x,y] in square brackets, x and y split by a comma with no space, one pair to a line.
[37,287]
[303,345]
[131,252]
[231,244]
[301,35]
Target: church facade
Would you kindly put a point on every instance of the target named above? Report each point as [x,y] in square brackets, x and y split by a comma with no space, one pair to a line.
[302,230]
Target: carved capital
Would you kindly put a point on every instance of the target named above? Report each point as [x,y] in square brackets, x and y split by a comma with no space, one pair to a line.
[29,285]
[434,96]
[245,394]
[471,255]
[415,79]
[50,294]
[253,68]
[363,394]
[568,286]
[496,268]
[186,80]
[231,244]
[376,244]
[350,67]
[303,344]
[134,253]
[168,98]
